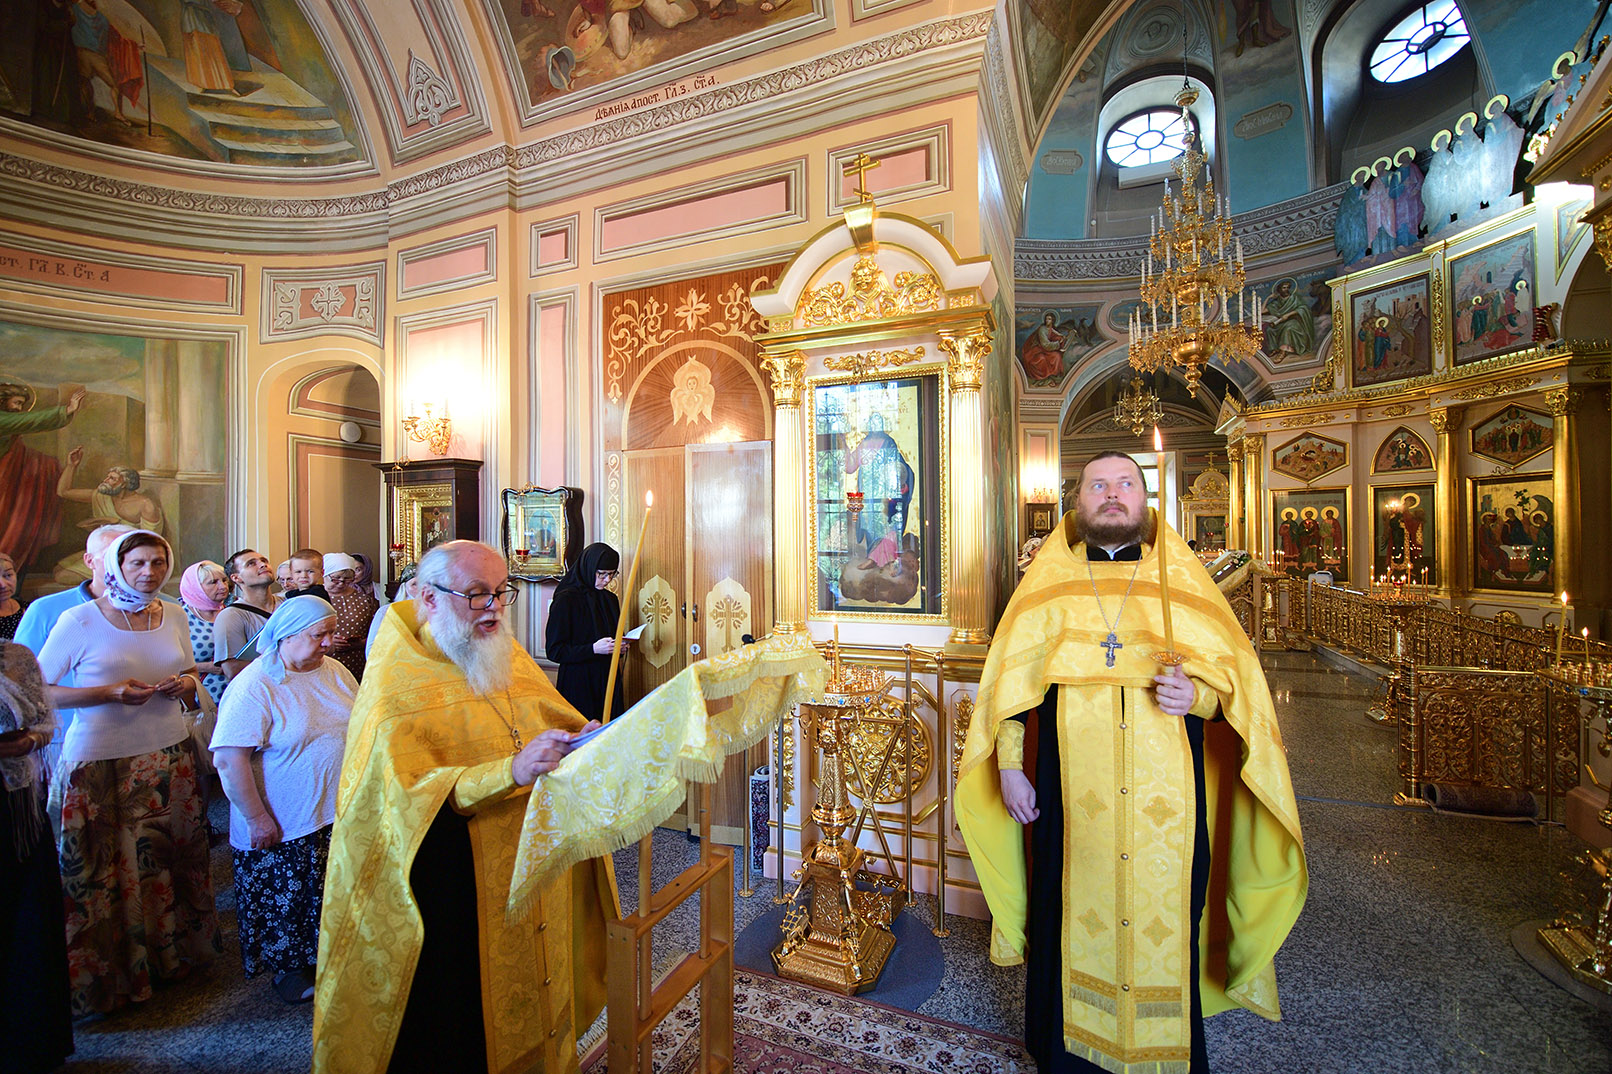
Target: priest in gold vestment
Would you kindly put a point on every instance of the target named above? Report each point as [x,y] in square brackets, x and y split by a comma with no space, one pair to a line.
[421,967]
[1165,862]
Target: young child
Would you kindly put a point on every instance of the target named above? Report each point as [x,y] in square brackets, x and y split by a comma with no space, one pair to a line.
[307,574]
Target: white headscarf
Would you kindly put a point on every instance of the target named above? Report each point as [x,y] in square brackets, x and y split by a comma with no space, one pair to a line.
[291,617]
[339,561]
[124,596]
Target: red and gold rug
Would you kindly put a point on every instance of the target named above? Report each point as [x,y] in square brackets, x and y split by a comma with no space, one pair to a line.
[780,1026]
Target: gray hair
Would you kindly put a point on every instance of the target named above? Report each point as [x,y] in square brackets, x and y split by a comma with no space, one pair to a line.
[101,537]
[435,566]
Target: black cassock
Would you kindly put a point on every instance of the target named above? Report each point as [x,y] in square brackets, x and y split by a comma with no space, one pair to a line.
[580,615]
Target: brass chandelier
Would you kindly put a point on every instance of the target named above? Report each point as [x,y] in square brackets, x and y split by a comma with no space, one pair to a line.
[1185,318]
[1137,407]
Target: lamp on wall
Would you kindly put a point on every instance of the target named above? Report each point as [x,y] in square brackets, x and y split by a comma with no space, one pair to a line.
[435,433]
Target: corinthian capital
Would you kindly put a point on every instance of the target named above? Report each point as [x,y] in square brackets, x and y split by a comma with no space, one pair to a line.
[965,360]
[1562,401]
[787,369]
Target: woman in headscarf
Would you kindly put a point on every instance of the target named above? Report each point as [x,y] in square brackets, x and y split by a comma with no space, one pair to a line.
[204,590]
[133,842]
[281,733]
[34,1019]
[355,608]
[11,608]
[581,631]
[366,581]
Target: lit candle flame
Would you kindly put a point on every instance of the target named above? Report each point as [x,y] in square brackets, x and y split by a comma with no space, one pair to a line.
[1158,441]
[649,499]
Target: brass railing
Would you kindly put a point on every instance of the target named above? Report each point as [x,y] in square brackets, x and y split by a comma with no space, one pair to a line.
[1470,712]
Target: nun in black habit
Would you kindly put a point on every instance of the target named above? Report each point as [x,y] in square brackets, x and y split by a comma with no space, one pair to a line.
[582,631]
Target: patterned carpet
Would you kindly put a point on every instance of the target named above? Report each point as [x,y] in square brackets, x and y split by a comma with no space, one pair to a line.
[780,1026]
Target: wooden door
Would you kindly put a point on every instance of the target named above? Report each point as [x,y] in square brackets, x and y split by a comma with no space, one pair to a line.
[729,525]
[662,586]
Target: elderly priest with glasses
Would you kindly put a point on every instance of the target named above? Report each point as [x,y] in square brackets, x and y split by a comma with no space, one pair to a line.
[420,969]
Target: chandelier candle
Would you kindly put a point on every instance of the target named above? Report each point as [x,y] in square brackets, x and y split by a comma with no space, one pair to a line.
[621,620]
[1164,573]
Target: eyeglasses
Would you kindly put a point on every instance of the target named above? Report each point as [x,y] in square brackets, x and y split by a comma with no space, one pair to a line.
[480,602]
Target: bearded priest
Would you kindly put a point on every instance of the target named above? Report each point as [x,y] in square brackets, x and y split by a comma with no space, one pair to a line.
[1165,864]
[420,968]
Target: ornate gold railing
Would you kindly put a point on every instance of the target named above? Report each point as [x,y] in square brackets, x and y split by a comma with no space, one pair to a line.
[1462,690]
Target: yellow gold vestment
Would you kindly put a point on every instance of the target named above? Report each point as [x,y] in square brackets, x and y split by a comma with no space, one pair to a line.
[1129,804]
[419,737]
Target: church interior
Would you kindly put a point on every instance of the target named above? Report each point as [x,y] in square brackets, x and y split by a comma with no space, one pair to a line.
[814,310]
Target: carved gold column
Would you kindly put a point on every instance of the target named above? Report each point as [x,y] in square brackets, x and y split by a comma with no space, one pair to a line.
[1445,421]
[970,601]
[1563,402]
[787,369]
[1254,495]
[1234,505]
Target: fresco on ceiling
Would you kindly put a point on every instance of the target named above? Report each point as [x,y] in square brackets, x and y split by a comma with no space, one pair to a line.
[82,443]
[1051,342]
[1260,96]
[1297,315]
[237,81]
[566,46]
[1050,31]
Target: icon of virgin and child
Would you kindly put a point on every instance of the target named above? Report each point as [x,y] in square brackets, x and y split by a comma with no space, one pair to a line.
[884,564]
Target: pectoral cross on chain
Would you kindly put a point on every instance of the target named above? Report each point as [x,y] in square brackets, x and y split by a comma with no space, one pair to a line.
[1111,644]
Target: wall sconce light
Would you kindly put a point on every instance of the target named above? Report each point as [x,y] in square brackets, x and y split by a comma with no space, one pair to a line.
[435,433]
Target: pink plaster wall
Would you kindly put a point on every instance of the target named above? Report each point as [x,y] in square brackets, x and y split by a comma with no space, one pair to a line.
[444,365]
[906,168]
[759,202]
[99,276]
[551,375]
[553,248]
[457,264]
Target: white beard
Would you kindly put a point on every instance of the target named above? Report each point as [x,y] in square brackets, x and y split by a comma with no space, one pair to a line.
[486,659]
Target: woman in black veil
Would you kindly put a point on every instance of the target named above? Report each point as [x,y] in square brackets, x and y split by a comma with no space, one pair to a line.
[582,628]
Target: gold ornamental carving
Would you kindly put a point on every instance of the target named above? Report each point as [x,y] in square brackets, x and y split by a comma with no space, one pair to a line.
[1302,420]
[727,617]
[1603,241]
[862,363]
[1562,401]
[787,370]
[1494,388]
[871,297]
[1442,419]
[902,774]
[1398,410]
[658,643]
[1437,302]
[641,330]
[1599,372]
[693,393]
[961,720]
[1326,380]
[1253,446]
[965,360]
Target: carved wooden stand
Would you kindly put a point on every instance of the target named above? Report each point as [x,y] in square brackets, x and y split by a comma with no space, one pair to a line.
[635,1005]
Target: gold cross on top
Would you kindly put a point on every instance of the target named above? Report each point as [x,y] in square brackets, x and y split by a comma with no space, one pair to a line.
[861,166]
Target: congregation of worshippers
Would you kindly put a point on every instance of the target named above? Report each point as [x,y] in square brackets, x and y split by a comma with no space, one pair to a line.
[130,711]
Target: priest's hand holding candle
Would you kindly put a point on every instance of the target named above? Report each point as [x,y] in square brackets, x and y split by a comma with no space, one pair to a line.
[626,595]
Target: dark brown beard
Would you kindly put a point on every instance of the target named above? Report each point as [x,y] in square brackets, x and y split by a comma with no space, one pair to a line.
[1110,532]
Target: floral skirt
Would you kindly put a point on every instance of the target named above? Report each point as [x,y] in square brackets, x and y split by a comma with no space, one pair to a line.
[279,891]
[135,876]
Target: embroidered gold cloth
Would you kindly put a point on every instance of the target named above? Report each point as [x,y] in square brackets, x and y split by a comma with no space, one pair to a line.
[418,737]
[614,789]
[1129,804]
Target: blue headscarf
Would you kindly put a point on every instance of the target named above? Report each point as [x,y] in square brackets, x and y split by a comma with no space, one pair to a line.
[290,618]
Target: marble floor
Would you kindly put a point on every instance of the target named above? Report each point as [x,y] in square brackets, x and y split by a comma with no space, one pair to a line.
[1401,960]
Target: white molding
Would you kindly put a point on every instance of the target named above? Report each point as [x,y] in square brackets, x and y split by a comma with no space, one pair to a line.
[451,53]
[487,238]
[572,389]
[793,172]
[935,139]
[866,9]
[282,288]
[232,274]
[493,389]
[572,226]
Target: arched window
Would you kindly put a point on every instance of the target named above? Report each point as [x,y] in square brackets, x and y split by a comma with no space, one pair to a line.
[1150,137]
[1423,39]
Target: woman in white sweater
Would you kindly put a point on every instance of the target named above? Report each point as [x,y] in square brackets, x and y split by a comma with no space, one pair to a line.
[133,841]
